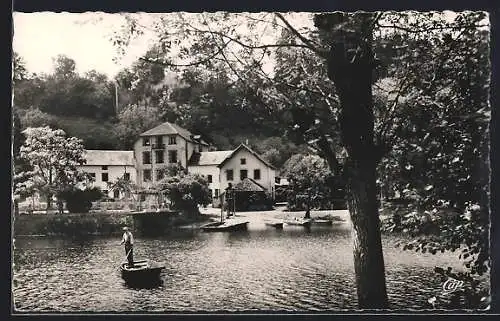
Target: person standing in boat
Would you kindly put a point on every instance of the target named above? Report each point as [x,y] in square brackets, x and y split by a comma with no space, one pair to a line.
[128,240]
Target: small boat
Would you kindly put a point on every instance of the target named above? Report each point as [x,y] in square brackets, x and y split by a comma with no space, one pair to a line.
[300,222]
[226,226]
[276,225]
[322,222]
[334,219]
[143,271]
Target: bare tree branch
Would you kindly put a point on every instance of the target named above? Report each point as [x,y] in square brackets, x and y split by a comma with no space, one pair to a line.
[263,20]
[199,62]
[309,43]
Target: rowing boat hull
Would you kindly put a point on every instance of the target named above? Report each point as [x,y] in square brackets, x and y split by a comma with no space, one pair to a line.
[225,227]
[143,271]
[304,223]
[277,225]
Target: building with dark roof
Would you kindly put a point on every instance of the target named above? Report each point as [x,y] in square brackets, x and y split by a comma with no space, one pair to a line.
[164,145]
[168,144]
[224,167]
[106,166]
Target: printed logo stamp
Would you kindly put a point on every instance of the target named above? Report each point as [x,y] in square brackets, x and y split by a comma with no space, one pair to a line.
[451,285]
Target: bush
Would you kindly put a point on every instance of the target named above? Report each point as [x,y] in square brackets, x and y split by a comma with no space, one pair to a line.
[80,201]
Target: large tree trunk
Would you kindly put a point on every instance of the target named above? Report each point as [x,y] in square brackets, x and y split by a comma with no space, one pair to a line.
[350,67]
[368,256]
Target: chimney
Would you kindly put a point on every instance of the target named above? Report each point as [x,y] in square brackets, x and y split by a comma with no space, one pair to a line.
[246,141]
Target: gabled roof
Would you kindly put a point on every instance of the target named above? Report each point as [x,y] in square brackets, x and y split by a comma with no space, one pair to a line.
[209,158]
[249,185]
[172,129]
[243,146]
[109,157]
[219,158]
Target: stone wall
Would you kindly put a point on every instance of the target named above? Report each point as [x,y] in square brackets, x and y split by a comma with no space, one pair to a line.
[71,224]
[99,223]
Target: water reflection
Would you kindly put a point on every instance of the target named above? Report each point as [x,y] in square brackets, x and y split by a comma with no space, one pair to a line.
[264,269]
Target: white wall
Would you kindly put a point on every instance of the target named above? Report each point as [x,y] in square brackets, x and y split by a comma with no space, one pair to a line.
[114,172]
[267,174]
[206,170]
[180,147]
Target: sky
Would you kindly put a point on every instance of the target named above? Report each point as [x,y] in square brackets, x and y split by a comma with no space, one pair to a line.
[84,37]
[39,37]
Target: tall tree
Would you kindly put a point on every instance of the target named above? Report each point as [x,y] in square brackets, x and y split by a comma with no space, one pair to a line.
[64,67]
[344,123]
[19,71]
[134,120]
[350,67]
[53,159]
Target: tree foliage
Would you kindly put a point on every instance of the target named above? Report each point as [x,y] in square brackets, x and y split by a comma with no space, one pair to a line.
[64,92]
[134,120]
[429,95]
[185,191]
[312,184]
[53,159]
[125,186]
[80,201]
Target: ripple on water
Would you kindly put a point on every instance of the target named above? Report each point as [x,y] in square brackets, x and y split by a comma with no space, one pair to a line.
[289,271]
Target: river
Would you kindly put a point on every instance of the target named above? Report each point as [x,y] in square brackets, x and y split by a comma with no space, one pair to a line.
[260,269]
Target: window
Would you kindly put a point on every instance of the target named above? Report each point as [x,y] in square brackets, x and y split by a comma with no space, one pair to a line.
[146,141]
[147,175]
[256,173]
[229,174]
[143,197]
[104,177]
[116,193]
[159,140]
[216,191]
[92,175]
[105,192]
[146,157]
[159,156]
[126,176]
[159,174]
[243,174]
[243,161]
[209,178]
[105,167]
[172,156]
[172,140]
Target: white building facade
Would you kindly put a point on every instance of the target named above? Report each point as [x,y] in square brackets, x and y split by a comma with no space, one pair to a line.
[164,145]
[169,144]
[224,167]
[106,166]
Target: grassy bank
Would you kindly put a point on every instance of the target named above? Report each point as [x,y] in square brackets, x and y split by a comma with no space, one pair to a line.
[105,224]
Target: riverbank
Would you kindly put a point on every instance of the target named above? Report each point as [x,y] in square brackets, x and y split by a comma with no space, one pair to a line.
[100,224]
[257,219]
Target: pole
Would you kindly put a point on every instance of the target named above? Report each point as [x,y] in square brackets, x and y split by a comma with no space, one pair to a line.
[221,208]
[116,97]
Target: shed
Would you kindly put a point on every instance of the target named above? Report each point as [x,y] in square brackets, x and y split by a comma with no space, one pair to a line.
[247,195]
